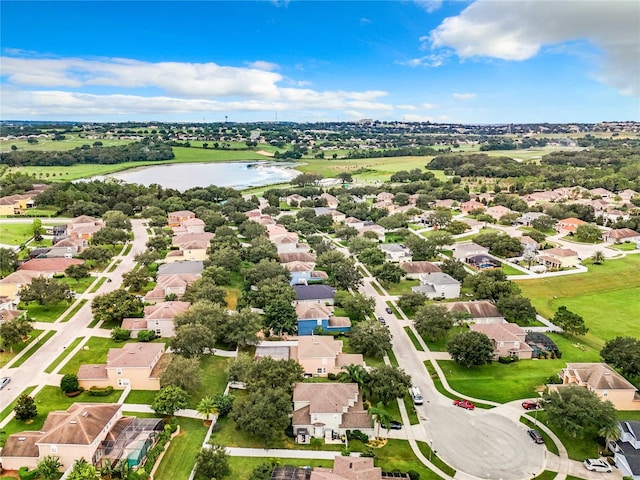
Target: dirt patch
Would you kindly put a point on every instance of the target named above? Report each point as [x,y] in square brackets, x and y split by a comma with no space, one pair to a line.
[266,154]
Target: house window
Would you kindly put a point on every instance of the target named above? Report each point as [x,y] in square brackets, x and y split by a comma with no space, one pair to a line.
[54,448]
[321,370]
[605,393]
[316,417]
[502,344]
[118,371]
[158,332]
[319,322]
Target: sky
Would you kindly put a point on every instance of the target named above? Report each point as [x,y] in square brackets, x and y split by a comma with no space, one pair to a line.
[481,61]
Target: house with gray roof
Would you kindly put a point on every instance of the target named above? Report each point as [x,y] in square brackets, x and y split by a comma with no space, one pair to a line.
[438,285]
[626,450]
[179,268]
[396,253]
[314,294]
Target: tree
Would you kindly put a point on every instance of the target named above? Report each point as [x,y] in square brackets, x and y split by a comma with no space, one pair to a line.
[389,273]
[440,217]
[517,308]
[226,257]
[193,340]
[263,413]
[77,272]
[598,257]
[205,289]
[470,348]
[218,275]
[433,322]
[13,331]
[570,322]
[116,219]
[8,261]
[260,249]
[623,353]
[241,328]
[266,269]
[147,257]
[380,417]
[98,255]
[223,404]
[544,223]
[354,374]
[356,306]
[267,373]
[387,383]
[69,383]
[114,306]
[420,249]
[45,291]
[346,233]
[37,229]
[610,432]
[170,399]
[83,470]
[491,285]
[136,280]
[26,408]
[372,256]
[370,338]
[456,227]
[588,233]
[109,236]
[280,316]
[342,271]
[454,268]
[579,412]
[212,462]
[49,467]
[409,302]
[182,372]
[207,407]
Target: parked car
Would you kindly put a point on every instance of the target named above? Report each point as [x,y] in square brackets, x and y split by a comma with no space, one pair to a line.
[393,425]
[535,435]
[464,404]
[4,382]
[597,465]
[388,310]
[530,405]
[382,320]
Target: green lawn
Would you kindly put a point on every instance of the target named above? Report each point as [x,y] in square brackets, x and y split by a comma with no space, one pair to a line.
[33,348]
[47,400]
[241,467]
[178,460]
[577,448]
[63,355]
[7,356]
[413,338]
[401,288]
[214,378]
[441,344]
[94,351]
[624,247]
[42,313]
[72,140]
[426,451]
[78,286]
[15,233]
[95,288]
[397,455]
[612,287]
[144,397]
[10,407]
[509,270]
[471,236]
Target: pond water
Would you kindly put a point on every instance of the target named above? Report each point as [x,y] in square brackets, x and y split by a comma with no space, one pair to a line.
[183,176]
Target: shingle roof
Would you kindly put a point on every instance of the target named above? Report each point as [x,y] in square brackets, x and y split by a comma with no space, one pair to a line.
[419,267]
[297,257]
[312,311]
[93,371]
[477,309]
[561,252]
[438,278]
[177,268]
[313,292]
[134,355]
[326,397]
[165,310]
[22,444]
[318,346]
[621,233]
[49,264]
[600,376]
[80,424]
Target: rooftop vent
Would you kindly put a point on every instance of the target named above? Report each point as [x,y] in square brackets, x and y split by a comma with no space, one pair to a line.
[85,413]
[73,422]
[22,439]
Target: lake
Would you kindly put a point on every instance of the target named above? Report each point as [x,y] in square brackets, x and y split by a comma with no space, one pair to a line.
[183,176]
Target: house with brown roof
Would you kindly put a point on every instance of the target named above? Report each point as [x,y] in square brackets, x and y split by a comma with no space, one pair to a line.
[321,355]
[68,434]
[49,266]
[528,243]
[602,193]
[84,227]
[438,285]
[445,203]
[332,202]
[476,311]
[466,207]
[569,225]
[185,239]
[602,380]
[348,468]
[190,250]
[498,211]
[415,269]
[171,284]
[294,199]
[16,204]
[297,257]
[508,339]
[191,225]
[372,227]
[384,196]
[174,219]
[621,235]
[558,257]
[328,410]
[462,251]
[67,248]
[138,365]
[159,317]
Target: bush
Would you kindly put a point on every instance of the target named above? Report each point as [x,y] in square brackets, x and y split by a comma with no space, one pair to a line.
[357,435]
[146,335]
[332,377]
[100,392]
[120,334]
[413,475]
[25,474]
[507,360]
[69,383]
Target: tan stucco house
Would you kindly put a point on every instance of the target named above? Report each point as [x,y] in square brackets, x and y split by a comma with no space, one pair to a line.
[508,339]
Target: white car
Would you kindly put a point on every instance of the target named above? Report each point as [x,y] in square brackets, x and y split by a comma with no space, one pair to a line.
[597,465]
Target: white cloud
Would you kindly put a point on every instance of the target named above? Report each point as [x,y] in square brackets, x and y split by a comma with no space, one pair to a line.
[365,21]
[262,65]
[429,5]
[463,96]
[431,60]
[518,30]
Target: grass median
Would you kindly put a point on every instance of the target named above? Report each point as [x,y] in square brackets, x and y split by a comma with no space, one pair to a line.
[63,355]
[70,315]
[33,348]
[413,338]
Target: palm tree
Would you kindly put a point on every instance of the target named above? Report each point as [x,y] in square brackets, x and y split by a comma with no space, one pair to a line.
[598,257]
[207,407]
[48,468]
[354,374]
[610,432]
[381,417]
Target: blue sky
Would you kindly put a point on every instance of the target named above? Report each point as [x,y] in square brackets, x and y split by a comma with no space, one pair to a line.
[481,61]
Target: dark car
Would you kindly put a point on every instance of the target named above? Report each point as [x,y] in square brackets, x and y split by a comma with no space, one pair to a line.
[388,310]
[382,320]
[464,404]
[535,435]
[530,405]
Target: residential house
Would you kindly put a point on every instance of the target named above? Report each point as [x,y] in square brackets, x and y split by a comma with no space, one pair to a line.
[170,285]
[67,248]
[626,450]
[498,211]
[558,257]
[294,199]
[540,197]
[348,468]
[621,235]
[185,240]
[354,222]
[289,243]
[613,215]
[12,283]
[438,285]
[297,257]
[16,204]
[602,193]
[528,217]
[328,410]
[466,207]
[476,311]
[323,294]
[159,317]
[415,269]
[602,380]
[96,432]
[321,355]
[318,316]
[446,203]
[529,243]
[569,225]
[332,202]
[84,227]
[8,314]
[338,217]
[278,350]
[174,219]
[194,250]
[463,250]
[178,268]
[135,365]
[627,195]
[384,196]
[395,253]
[373,227]
[49,266]
[191,225]
[508,339]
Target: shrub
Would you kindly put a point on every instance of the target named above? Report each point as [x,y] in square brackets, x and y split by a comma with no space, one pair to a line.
[332,376]
[120,334]
[69,383]
[100,392]
[413,475]
[146,335]
[507,360]
[25,474]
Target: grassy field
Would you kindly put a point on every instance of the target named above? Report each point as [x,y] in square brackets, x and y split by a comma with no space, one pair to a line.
[612,287]
[401,288]
[241,467]
[45,313]
[94,351]
[179,457]
[214,378]
[7,410]
[46,144]
[503,383]
[15,233]
[413,338]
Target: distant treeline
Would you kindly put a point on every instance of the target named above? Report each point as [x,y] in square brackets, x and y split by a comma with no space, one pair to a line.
[397,152]
[145,150]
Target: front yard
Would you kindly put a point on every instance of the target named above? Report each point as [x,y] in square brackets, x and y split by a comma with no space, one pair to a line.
[178,460]
[42,313]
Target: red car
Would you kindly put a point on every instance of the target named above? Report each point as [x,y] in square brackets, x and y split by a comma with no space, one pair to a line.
[464,404]
[530,405]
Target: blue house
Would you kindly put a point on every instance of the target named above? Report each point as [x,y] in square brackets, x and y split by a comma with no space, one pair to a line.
[313,316]
[320,294]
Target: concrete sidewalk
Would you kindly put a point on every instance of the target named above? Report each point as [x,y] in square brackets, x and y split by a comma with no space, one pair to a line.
[281,453]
